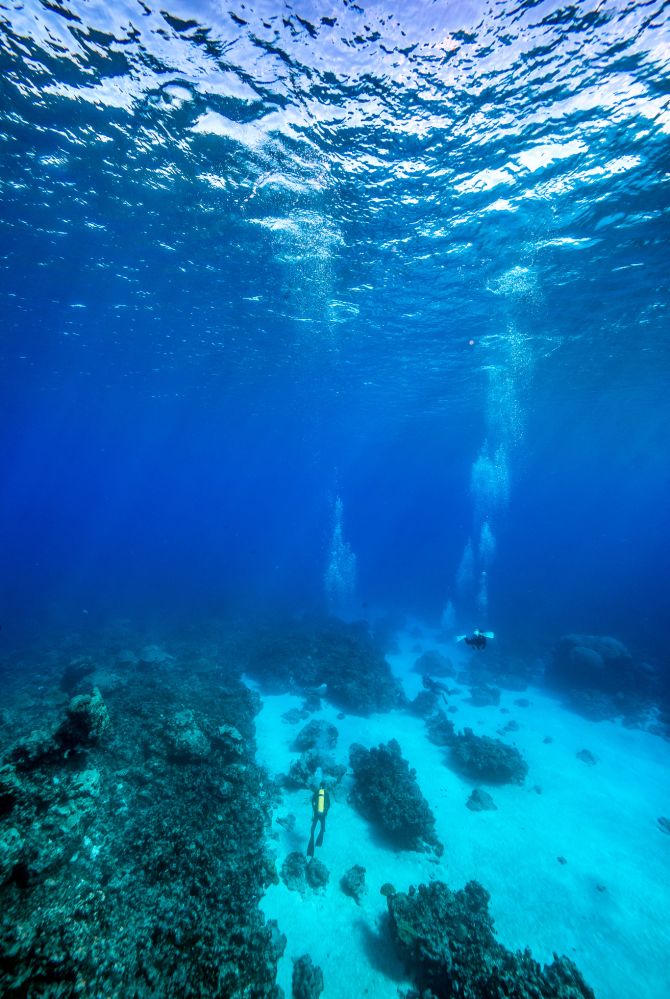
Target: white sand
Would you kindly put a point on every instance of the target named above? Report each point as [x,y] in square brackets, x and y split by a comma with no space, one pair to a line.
[601,818]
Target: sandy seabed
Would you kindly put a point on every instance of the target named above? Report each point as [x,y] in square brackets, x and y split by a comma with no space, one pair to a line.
[607,907]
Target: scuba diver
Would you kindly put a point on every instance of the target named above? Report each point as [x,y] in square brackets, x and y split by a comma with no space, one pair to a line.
[435,687]
[320,806]
[477,640]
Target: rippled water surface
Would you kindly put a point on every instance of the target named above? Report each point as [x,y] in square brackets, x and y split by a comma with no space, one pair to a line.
[375,213]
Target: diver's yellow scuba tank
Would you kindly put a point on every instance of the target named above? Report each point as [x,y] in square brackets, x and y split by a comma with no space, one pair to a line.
[320,801]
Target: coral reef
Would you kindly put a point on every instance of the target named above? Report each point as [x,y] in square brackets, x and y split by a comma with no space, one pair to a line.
[327,651]
[307,982]
[489,760]
[386,792]
[132,843]
[448,943]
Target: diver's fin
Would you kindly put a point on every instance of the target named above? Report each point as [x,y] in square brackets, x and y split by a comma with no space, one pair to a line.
[319,838]
[310,846]
[487,634]
[460,638]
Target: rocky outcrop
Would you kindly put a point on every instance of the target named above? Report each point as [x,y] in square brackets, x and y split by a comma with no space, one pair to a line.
[386,792]
[353,882]
[595,663]
[318,734]
[481,801]
[307,981]
[488,760]
[448,943]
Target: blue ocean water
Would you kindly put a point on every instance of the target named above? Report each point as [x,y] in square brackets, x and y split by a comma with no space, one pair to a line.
[359,287]
[244,255]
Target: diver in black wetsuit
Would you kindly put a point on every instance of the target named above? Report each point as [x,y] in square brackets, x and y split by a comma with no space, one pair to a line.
[320,806]
[477,640]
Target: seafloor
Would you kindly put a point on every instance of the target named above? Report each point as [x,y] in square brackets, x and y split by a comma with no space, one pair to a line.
[155,805]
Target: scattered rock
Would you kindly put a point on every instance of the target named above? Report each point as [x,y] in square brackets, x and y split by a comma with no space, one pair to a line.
[522,702]
[481,801]
[353,882]
[586,756]
[561,860]
[287,821]
[548,739]
[664,824]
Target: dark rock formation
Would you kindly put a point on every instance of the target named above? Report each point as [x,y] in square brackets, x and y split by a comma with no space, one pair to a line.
[386,792]
[353,882]
[303,771]
[317,874]
[316,735]
[307,982]
[664,824]
[485,696]
[287,821]
[187,743]
[441,731]
[488,759]
[328,651]
[75,672]
[447,941]
[124,872]
[595,662]
[425,703]
[586,756]
[481,801]
[294,872]
[434,664]
[85,723]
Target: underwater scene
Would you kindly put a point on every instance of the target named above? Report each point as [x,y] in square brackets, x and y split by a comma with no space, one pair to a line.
[334,499]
